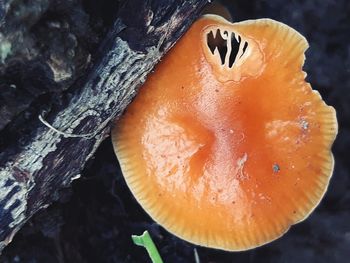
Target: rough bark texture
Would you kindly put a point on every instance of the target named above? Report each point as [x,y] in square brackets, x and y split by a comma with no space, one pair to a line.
[33,171]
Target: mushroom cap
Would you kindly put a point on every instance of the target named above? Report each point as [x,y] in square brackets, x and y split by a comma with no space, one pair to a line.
[226,145]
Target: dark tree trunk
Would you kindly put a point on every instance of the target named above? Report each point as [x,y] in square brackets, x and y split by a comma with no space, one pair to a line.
[49,158]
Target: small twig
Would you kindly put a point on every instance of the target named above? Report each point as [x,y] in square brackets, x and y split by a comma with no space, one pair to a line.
[90,135]
[196,256]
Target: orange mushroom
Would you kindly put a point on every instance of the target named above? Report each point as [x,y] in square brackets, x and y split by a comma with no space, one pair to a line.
[226,145]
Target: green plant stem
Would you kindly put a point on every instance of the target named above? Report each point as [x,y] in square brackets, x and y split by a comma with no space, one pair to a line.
[146,241]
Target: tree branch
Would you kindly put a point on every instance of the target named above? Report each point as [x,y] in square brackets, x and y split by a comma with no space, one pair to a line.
[65,139]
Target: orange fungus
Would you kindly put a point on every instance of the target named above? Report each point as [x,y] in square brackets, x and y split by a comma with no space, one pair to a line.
[226,145]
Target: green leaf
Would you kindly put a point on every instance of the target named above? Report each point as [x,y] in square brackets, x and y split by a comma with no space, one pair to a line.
[146,241]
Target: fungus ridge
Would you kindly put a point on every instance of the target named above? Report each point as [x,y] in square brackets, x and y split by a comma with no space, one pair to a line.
[227,46]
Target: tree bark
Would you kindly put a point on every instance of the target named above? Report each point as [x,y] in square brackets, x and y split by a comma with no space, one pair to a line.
[32,174]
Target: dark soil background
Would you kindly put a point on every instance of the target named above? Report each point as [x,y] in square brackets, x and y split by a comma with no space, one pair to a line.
[93,220]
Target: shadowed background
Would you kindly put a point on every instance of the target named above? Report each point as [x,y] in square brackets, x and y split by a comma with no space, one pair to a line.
[93,220]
